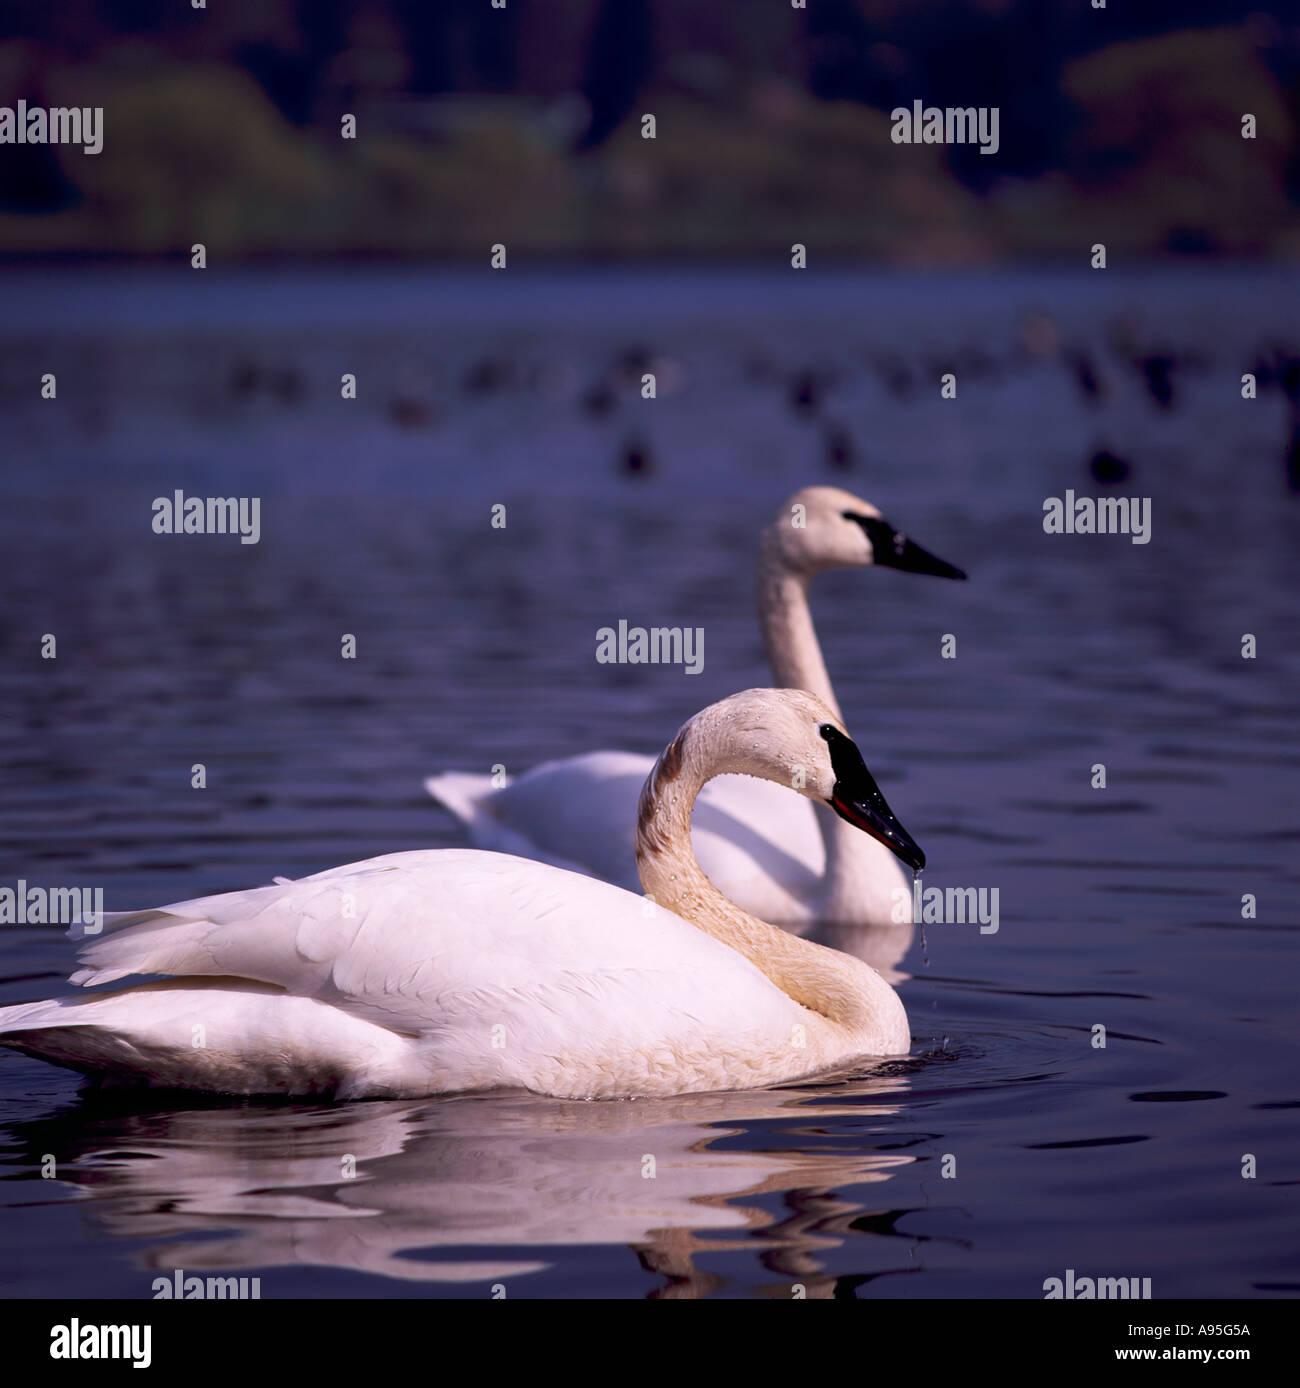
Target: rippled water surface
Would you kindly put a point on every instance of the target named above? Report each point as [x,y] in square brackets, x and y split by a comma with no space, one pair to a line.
[1009,1147]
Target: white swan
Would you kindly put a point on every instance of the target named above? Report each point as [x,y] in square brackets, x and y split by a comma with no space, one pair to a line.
[454,969]
[777,857]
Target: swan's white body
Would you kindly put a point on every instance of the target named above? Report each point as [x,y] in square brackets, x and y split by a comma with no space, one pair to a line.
[461,970]
[776,856]
[428,972]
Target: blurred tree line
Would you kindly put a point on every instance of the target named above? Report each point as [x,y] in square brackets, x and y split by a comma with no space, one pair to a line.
[524,125]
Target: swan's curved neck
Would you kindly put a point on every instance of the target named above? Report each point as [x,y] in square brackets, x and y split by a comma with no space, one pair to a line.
[795,656]
[787,626]
[840,988]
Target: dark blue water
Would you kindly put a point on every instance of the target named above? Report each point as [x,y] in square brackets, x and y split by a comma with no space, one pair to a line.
[1119,907]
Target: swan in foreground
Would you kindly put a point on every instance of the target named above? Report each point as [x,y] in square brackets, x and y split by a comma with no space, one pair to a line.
[454,969]
[773,855]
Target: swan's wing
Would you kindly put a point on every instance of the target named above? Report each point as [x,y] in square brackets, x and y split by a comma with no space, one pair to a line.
[448,944]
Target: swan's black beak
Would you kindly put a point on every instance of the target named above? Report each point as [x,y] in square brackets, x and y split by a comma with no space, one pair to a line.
[893,550]
[856,798]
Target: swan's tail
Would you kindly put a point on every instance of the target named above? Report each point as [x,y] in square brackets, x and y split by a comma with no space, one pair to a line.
[460,792]
[112,1034]
[109,921]
[222,1035]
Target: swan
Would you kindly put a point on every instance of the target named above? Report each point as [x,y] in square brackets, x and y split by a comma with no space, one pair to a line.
[776,857]
[449,970]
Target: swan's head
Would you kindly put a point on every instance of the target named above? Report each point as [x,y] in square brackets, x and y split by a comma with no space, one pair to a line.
[827,528]
[787,736]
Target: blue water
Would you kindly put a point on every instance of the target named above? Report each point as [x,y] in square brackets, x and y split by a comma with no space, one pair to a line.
[1119,907]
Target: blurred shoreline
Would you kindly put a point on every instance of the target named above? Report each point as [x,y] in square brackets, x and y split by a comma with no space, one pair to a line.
[266,139]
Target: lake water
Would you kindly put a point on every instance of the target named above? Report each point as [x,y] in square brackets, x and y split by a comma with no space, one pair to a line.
[1009,1147]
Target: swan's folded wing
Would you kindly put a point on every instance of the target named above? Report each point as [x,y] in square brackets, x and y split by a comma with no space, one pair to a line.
[318,936]
[283,934]
[418,942]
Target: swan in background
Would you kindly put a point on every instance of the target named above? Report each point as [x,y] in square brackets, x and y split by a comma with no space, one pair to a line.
[450,970]
[776,857]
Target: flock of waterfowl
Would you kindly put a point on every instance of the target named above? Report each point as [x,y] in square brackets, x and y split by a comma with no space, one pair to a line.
[1097,372]
[503,967]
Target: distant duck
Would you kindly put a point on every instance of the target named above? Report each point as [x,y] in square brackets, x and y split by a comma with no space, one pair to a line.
[1108,469]
[245,377]
[1286,372]
[1280,367]
[633,362]
[635,459]
[1287,369]
[599,399]
[249,378]
[489,376]
[895,377]
[1085,376]
[805,393]
[410,412]
[840,453]
[1157,369]
[288,386]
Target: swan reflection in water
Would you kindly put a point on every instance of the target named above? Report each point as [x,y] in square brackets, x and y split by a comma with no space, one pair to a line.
[497,1181]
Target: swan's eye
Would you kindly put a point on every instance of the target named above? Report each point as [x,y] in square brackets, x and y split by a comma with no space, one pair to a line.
[826,731]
